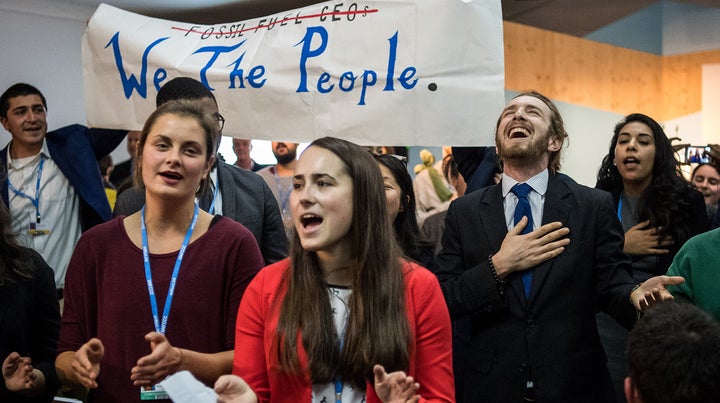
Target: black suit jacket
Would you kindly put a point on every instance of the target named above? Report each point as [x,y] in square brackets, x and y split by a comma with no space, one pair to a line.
[552,338]
[30,325]
[121,172]
[246,198]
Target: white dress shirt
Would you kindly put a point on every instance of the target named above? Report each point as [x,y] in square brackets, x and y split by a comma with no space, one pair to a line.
[59,210]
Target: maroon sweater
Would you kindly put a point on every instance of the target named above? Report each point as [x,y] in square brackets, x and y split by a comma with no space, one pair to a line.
[106,296]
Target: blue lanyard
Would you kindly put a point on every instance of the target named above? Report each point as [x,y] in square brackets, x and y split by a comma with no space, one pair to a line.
[620,207]
[338,379]
[36,200]
[338,390]
[161,326]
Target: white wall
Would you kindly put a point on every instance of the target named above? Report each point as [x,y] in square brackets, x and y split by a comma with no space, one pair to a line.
[589,135]
[41,46]
[710,106]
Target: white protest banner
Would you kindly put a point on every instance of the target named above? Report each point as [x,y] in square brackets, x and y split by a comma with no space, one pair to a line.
[386,72]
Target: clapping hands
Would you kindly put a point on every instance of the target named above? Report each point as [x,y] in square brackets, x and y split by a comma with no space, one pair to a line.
[19,374]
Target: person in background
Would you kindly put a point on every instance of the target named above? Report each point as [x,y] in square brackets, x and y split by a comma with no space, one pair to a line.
[242,148]
[233,192]
[279,178]
[121,176]
[53,187]
[673,353]
[402,208]
[434,225]
[478,165]
[106,169]
[433,193]
[658,208]
[433,228]
[698,261]
[170,254]
[528,262]
[29,321]
[706,178]
[714,155]
[370,310]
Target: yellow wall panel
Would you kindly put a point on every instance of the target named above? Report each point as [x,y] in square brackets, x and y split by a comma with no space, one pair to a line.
[682,81]
[601,76]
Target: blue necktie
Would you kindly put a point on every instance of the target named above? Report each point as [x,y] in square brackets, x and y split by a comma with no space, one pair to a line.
[521,190]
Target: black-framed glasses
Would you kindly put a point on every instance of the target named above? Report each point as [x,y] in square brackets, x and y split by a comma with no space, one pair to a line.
[220,119]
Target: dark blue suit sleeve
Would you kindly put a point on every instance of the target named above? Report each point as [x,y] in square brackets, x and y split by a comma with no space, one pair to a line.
[104,141]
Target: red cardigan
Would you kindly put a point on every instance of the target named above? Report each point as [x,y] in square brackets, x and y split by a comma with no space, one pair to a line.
[430,357]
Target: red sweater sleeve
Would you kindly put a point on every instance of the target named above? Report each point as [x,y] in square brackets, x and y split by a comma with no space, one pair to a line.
[431,355]
[256,321]
[433,336]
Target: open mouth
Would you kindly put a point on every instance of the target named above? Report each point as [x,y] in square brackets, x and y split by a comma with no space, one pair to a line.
[631,160]
[171,175]
[308,220]
[518,133]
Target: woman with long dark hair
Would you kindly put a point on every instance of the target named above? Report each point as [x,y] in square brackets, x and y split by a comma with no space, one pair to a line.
[314,326]
[402,209]
[29,321]
[658,208]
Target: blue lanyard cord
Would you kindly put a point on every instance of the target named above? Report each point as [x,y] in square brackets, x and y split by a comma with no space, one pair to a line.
[162,326]
[620,208]
[35,200]
[338,390]
[338,379]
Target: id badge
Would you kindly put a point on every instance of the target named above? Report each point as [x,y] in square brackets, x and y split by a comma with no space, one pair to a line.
[36,229]
[155,392]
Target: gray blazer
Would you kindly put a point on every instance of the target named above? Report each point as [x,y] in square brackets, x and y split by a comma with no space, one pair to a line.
[246,198]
